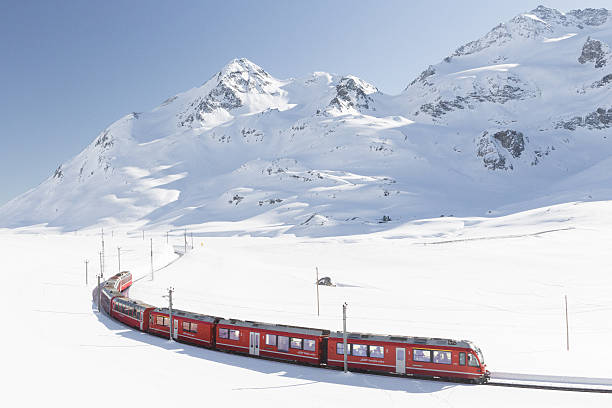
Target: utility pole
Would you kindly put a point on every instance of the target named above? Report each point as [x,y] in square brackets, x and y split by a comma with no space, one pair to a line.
[344,336]
[192,240]
[86,282]
[101,265]
[151,257]
[119,257]
[99,294]
[317,283]
[566,325]
[170,327]
[185,241]
[167,232]
[143,235]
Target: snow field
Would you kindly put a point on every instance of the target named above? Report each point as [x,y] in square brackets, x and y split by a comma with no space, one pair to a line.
[509,303]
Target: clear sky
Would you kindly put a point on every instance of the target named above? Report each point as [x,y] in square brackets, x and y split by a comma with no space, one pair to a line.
[70,68]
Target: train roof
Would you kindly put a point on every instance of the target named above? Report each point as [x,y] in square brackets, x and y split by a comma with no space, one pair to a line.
[134,302]
[425,341]
[275,327]
[189,315]
[111,292]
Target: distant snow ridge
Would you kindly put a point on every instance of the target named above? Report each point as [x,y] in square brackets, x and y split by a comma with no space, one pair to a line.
[519,118]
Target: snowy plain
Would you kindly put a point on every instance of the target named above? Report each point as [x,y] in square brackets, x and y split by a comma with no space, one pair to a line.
[498,281]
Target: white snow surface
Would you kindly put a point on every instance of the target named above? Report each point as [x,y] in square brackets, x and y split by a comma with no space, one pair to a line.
[509,122]
[498,281]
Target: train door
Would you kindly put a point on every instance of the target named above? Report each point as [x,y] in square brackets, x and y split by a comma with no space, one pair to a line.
[175,329]
[254,344]
[400,360]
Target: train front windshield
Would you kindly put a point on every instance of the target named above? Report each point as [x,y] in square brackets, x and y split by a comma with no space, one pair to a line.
[480,357]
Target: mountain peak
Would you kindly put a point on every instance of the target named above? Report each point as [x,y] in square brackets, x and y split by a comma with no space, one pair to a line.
[240,83]
[353,92]
[241,66]
[538,23]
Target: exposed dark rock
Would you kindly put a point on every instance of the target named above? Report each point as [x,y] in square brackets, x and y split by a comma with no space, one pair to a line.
[236,199]
[590,16]
[512,141]
[353,93]
[600,119]
[441,107]
[59,174]
[602,82]
[424,75]
[105,140]
[488,148]
[594,51]
[495,90]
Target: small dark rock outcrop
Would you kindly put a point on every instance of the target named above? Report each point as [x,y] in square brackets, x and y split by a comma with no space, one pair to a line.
[491,148]
[601,118]
[594,51]
[590,16]
[512,141]
[353,93]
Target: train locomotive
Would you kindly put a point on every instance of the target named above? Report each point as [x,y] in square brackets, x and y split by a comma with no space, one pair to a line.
[422,357]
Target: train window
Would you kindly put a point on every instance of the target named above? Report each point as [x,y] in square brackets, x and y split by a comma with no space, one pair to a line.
[309,345]
[359,350]
[473,361]
[271,339]
[340,348]
[377,351]
[166,321]
[138,315]
[442,357]
[296,343]
[234,334]
[283,343]
[223,333]
[422,355]
[160,321]
[190,327]
[461,358]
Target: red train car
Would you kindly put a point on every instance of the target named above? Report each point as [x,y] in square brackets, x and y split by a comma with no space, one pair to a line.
[281,342]
[122,281]
[107,295]
[188,327]
[422,356]
[131,312]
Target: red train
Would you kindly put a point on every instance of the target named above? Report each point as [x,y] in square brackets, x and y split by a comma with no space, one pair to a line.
[401,355]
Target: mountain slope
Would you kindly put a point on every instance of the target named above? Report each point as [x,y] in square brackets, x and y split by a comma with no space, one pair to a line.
[512,120]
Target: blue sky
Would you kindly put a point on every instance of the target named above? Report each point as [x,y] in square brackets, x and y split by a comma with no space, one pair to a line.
[70,68]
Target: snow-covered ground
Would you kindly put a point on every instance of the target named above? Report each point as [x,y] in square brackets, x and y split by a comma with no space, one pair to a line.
[497,281]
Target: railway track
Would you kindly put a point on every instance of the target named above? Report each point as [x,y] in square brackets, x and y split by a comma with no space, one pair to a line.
[550,387]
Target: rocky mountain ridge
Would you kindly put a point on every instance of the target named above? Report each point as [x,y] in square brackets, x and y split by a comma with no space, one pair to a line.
[513,120]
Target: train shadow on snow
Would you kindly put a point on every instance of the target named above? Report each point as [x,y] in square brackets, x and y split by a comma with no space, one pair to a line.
[308,374]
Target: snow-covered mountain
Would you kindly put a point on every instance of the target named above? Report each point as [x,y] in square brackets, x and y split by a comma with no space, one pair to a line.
[519,118]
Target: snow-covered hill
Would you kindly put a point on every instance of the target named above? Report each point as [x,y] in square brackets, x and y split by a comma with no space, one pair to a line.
[519,118]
